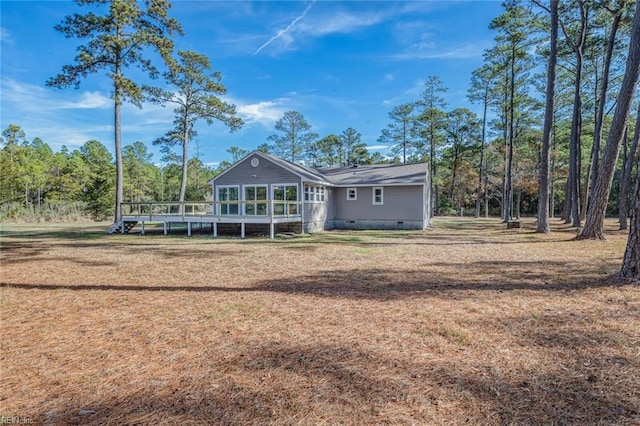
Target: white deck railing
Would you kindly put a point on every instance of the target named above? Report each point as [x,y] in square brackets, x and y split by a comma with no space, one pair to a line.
[267,209]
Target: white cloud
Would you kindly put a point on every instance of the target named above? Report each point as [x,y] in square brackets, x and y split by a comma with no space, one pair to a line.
[25,96]
[388,78]
[340,22]
[5,36]
[264,113]
[328,19]
[88,100]
[377,147]
[432,50]
[284,33]
[72,117]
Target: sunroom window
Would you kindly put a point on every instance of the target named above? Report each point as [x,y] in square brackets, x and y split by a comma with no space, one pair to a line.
[228,193]
[255,194]
[285,199]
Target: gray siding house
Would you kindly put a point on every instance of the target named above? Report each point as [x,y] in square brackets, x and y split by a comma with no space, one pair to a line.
[389,196]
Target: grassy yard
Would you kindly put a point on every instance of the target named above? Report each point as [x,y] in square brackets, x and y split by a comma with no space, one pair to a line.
[466,323]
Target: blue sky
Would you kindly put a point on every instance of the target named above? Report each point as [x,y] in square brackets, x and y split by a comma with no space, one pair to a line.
[339,63]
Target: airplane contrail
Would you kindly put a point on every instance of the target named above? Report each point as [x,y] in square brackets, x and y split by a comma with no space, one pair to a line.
[280,33]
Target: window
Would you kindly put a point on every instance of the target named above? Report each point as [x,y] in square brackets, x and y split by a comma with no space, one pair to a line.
[228,193]
[352,193]
[285,199]
[255,193]
[314,193]
[377,196]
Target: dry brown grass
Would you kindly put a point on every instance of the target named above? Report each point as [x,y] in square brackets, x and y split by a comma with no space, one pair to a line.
[467,323]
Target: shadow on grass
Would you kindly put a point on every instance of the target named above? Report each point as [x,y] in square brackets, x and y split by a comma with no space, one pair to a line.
[379,284]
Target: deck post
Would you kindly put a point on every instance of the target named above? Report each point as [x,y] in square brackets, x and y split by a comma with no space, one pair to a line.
[271,229]
[242,230]
[164,227]
[142,228]
[215,230]
[122,227]
[188,229]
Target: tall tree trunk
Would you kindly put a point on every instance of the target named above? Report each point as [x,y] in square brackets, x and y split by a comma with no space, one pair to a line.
[185,159]
[631,261]
[432,165]
[512,89]
[481,170]
[505,135]
[597,137]
[118,146]
[625,182]
[573,180]
[505,218]
[552,184]
[565,206]
[454,172]
[594,226]
[574,143]
[486,194]
[543,190]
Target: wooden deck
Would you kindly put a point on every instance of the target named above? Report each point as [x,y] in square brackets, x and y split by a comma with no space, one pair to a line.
[268,212]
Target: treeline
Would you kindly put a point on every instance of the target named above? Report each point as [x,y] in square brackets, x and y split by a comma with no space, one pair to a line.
[38,184]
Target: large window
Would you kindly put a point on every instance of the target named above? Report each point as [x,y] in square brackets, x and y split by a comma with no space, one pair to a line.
[285,199]
[252,196]
[228,193]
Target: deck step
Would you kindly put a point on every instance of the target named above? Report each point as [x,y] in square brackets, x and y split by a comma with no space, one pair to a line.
[117,227]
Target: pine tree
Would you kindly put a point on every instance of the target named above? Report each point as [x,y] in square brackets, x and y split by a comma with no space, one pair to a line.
[116,41]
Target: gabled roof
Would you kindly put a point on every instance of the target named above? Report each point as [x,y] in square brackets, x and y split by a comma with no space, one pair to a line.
[305,173]
[378,174]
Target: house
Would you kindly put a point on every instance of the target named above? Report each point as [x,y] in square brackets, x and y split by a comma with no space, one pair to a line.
[264,189]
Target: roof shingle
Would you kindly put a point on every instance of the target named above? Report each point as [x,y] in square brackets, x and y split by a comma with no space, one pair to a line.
[378,174]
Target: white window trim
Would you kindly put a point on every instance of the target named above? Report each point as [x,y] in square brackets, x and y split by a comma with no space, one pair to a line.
[355,194]
[273,199]
[217,195]
[373,194]
[317,193]
[307,192]
[244,205]
[273,185]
